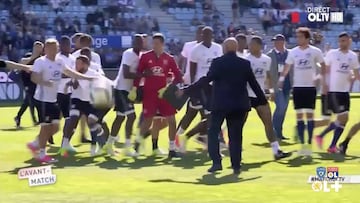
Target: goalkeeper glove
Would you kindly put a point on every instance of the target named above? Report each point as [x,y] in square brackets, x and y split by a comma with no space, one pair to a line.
[162,91]
[132,94]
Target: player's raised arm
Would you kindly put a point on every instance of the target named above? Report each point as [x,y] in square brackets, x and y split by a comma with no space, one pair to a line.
[74,74]
[14,66]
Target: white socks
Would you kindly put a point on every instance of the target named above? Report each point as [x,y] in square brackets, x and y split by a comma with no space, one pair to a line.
[65,142]
[172,146]
[42,153]
[127,143]
[275,147]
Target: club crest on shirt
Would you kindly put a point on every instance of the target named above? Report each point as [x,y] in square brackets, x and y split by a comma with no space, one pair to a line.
[308,54]
[165,62]
[150,61]
[264,63]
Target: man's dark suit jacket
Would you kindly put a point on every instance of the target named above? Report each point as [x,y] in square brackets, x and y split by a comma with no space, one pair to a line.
[230,75]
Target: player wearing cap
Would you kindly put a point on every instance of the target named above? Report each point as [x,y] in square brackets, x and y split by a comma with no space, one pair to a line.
[260,64]
[341,63]
[123,106]
[46,73]
[278,56]
[303,59]
[159,64]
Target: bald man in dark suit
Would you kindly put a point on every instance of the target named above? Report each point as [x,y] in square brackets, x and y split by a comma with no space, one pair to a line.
[230,75]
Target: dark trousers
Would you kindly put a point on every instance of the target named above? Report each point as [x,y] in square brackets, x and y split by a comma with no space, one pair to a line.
[28,102]
[235,122]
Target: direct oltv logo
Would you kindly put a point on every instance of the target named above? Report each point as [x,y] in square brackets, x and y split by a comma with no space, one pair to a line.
[317,14]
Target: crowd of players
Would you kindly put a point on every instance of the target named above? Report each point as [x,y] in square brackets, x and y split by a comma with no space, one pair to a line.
[59,84]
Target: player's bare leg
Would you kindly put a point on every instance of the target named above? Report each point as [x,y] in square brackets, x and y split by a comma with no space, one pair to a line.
[68,131]
[344,145]
[157,126]
[264,113]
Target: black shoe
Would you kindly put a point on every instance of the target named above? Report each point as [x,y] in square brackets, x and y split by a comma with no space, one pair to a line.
[284,138]
[84,139]
[214,168]
[342,148]
[51,140]
[17,122]
[201,140]
[236,171]
[280,155]
[173,154]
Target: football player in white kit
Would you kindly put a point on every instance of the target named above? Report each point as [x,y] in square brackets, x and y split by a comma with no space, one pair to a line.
[80,105]
[84,41]
[124,108]
[201,57]
[242,45]
[303,59]
[341,64]
[191,112]
[260,63]
[46,73]
[63,97]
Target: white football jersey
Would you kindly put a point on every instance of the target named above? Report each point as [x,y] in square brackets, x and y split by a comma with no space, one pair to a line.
[131,59]
[96,67]
[188,47]
[260,67]
[95,57]
[50,71]
[69,61]
[341,66]
[242,54]
[304,64]
[82,92]
[203,56]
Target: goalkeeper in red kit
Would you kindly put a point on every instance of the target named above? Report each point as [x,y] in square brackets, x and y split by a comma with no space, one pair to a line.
[157,64]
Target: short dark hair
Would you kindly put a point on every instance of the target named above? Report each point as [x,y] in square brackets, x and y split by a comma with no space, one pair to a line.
[159,36]
[64,38]
[200,27]
[305,31]
[257,39]
[343,34]
[76,35]
[85,38]
[208,28]
[84,59]
[240,36]
[86,51]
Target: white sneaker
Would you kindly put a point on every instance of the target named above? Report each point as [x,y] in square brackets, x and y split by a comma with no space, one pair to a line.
[159,152]
[308,150]
[182,143]
[130,152]
[93,150]
[302,150]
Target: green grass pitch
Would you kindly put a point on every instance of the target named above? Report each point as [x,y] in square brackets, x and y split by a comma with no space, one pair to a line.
[120,179]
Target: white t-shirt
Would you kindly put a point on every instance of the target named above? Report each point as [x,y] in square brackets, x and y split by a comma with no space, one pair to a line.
[186,51]
[96,67]
[260,67]
[203,56]
[50,70]
[131,59]
[95,57]
[341,65]
[304,64]
[70,62]
[82,92]
[242,54]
